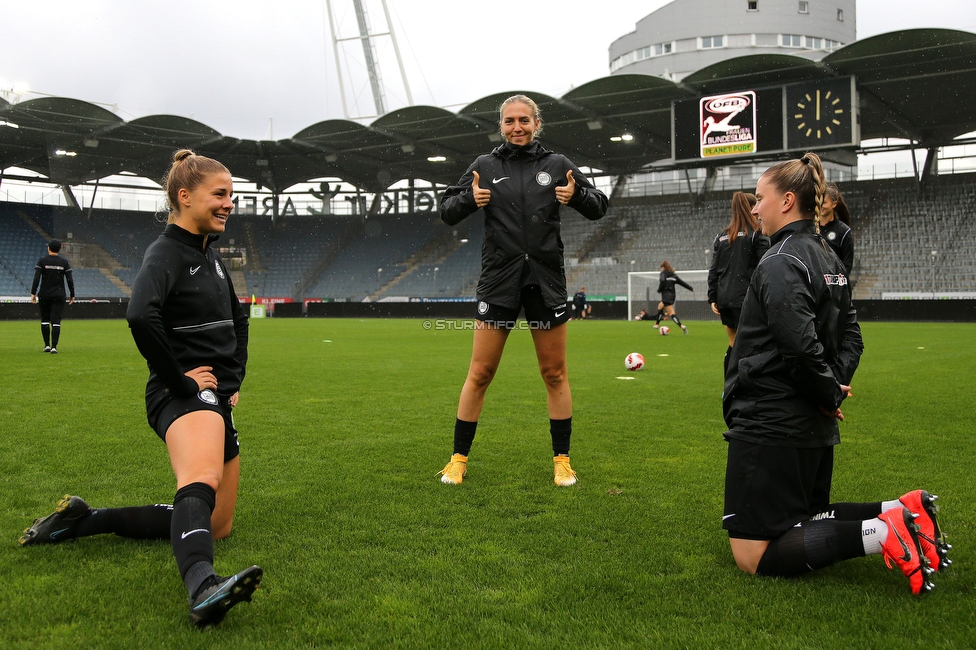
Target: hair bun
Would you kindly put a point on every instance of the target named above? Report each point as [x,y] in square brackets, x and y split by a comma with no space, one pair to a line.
[182,154]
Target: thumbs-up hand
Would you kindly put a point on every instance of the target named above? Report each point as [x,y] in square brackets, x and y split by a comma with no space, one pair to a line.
[481,195]
[565,192]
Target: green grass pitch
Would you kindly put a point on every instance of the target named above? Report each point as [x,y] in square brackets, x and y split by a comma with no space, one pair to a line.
[344,424]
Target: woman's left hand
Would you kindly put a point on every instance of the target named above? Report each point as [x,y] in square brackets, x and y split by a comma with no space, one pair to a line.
[233,399]
[565,192]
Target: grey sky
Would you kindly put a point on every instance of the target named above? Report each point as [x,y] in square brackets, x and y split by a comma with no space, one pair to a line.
[234,65]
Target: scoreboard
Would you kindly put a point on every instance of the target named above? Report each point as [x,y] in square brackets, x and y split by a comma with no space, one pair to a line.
[810,115]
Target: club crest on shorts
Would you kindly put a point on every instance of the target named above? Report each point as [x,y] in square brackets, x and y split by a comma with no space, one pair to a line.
[482,307]
[543,178]
[220,271]
[207,396]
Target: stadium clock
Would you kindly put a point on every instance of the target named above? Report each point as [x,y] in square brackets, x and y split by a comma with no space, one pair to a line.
[818,114]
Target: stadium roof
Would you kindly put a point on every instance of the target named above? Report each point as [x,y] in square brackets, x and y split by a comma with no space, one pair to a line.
[916,84]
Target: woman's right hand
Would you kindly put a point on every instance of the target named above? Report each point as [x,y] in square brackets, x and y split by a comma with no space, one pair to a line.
[715,310]
[203,376]
[481,195]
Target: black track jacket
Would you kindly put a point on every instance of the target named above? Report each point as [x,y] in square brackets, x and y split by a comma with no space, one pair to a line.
[665,286]
[733,264]
[522,219]
[184,313]
[798,341]
[50,273]
[838,235]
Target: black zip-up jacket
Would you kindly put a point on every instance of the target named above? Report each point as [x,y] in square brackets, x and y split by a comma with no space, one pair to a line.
[838,235]
[665,286]
[733,264]
[522,219]
[798,341]
[50,273]
[184,313]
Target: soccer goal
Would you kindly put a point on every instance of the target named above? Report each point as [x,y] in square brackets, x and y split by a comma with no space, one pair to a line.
[642,289]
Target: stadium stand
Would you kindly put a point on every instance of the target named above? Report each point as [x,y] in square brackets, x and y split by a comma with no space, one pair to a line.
[910,241]
[20,247]
[289,250]
[383,242]
[897,225]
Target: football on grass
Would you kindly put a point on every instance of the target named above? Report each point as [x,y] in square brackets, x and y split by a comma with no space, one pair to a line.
[664,330]
[634,361]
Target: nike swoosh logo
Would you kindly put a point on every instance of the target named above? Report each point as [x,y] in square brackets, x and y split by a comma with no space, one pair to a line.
[727,516]
[906,554]
[557,315]
[195,530]
[498,180]
[57,532]
[193,271]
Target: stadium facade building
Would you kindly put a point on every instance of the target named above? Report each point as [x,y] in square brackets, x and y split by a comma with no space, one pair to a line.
[688,35]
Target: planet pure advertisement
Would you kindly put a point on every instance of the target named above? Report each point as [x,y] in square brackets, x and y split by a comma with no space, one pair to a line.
[728,124]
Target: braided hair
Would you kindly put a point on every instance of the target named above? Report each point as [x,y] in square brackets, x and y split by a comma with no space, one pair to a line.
[805,179]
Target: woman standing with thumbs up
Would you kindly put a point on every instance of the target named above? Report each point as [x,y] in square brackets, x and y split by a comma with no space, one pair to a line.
[520,186]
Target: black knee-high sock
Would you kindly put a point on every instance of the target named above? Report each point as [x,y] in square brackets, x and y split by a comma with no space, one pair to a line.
[811,545]
[850,511]
[677,321]
[464,436]
[725,361]
[660,315]
[55,334]
[561,431]
[191,534]
[46,333]
[140,522]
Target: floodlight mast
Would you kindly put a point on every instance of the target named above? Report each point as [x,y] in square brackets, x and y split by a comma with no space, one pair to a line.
[369,53]
[367,39]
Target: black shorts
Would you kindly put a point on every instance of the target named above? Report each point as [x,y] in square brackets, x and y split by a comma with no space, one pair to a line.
[162,410]
[536,313]
[768,490]
[51,309]
[730,317]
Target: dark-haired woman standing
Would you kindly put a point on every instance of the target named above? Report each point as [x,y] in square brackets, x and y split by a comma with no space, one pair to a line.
[189,325]
[835,226]
[736,252]
[520,186]
[797,347]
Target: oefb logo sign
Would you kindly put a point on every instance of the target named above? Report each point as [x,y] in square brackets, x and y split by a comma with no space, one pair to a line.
[727,124]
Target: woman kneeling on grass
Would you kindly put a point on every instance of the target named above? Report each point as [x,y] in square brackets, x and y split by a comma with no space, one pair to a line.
[795,353]
[189,325]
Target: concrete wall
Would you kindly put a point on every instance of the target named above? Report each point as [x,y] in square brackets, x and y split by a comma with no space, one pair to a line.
[745,32]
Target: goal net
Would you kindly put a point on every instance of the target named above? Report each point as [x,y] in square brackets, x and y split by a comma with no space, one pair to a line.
[642,289]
